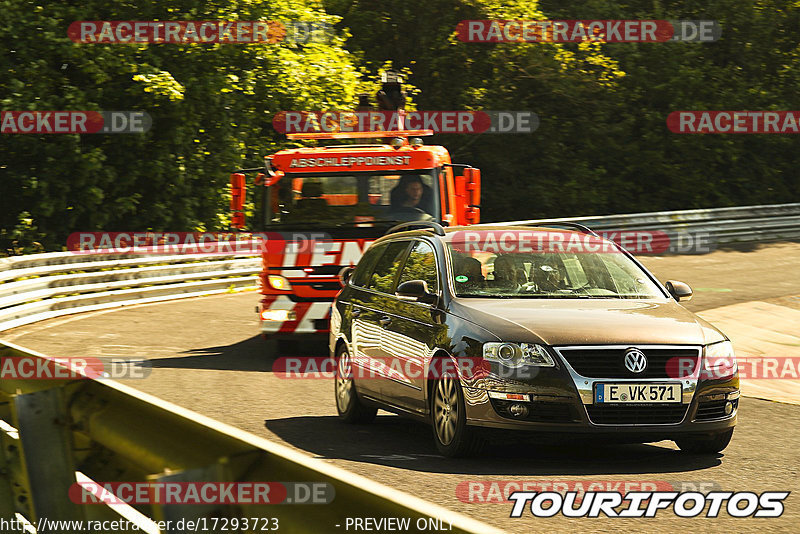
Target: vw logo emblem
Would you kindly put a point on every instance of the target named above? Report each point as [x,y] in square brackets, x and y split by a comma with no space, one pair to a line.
[635,361]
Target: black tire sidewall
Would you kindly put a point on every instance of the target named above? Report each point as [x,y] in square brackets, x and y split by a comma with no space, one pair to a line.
[711,445]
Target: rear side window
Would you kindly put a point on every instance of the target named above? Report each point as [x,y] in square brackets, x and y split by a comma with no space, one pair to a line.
[421,265]
[365,265]
[385,271]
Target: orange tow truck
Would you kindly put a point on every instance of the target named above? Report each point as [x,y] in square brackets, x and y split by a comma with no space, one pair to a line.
[338,199]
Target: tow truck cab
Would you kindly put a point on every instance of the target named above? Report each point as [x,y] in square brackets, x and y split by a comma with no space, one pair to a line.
[339,199]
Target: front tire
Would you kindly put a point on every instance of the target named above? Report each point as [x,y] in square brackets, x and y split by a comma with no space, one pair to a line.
[348,405]
[706,445]
[448,413]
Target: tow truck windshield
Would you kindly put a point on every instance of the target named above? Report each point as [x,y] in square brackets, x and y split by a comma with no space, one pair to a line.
[358,199]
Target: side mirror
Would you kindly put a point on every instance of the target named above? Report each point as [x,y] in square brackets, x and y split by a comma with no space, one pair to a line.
[679,290]
[473,185]
[473,190]
[238,192]
[345,274]
[416,290]
[274,176]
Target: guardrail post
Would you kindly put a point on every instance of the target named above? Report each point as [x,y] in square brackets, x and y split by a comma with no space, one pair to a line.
[177,512]
[7,500]
[47,457]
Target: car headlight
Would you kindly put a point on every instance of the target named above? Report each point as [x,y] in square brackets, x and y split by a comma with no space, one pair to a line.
[278,282]
[517,354]
[719,360]
[278,315]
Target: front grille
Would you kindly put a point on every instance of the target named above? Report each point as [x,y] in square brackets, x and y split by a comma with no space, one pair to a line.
[636,414]
[539,412]
[295,298]
[321,270]
[319,286]
[610,362]
[709,410]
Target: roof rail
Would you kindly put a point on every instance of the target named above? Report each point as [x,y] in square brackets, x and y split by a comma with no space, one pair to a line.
[573,225]
[426,225]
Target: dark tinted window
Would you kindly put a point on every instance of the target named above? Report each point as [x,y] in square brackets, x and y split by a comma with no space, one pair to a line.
[365,265]
[421,265]
[385,271]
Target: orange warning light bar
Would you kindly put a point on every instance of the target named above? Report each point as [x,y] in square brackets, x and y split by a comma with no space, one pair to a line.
[360,135]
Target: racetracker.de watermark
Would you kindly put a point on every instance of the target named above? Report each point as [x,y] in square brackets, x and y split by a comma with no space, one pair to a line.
[734,122]
[498,491]
[73,368]
[197,243]
[571,242]
[199,31]
[201,492]
[452,122]
[74,122]
[576,31]
[318,367]
[724,367]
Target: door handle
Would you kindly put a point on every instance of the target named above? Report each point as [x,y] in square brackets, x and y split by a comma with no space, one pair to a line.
[385,320]
[355,312]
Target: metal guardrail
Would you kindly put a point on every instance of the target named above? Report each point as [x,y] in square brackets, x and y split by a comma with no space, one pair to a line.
[43,286]
[55,433]
[744,224]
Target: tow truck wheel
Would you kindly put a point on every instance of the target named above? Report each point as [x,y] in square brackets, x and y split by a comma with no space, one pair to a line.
[348,405]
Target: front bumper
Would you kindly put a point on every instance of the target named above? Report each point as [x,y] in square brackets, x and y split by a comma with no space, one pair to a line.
[306,317]
[560,400]
[570,416]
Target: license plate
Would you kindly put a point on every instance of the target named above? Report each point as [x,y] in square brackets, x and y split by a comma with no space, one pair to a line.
[637,393]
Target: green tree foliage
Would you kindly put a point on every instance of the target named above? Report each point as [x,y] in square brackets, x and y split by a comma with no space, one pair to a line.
[754,66]
[211,105]
[603,145]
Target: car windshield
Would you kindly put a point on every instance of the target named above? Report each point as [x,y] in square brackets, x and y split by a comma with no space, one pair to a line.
[544,264]
[352,199]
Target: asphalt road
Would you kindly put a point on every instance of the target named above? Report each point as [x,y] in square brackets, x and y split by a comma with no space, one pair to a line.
[205,356]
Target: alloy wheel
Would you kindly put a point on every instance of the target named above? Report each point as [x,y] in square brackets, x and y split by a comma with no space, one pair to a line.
[344,382]
[445,405]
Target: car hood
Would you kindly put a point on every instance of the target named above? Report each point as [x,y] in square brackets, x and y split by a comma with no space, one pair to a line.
[588,322]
